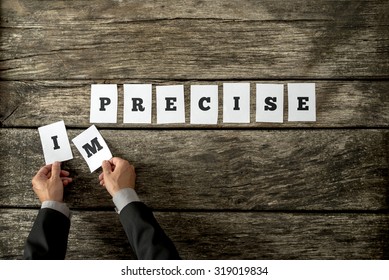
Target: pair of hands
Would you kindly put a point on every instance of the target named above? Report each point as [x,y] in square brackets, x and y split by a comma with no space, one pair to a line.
[50,180]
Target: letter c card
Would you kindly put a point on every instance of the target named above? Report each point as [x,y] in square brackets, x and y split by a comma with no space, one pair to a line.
[204,102]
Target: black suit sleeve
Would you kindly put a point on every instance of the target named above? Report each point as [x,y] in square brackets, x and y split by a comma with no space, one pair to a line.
[48,238]
[147,238]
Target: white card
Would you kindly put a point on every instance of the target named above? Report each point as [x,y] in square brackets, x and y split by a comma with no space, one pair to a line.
[104,102]
[170,104]
[137,103]
[204,104]
[302,102]
[92,147]
[55,142]
[236,102]
[270,103]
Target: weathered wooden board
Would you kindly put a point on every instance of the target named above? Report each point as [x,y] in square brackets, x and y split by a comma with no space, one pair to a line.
[245,40]
[208,169]
[319,192]
[136,10]
[217,235]
[339,104]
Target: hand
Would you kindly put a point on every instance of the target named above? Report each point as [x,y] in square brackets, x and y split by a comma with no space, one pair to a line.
[49,182]
[117,174]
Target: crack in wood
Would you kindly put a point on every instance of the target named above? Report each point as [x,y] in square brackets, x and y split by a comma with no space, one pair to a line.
[7,117]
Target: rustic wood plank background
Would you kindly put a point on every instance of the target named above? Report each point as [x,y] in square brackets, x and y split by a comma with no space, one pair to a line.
[252,191]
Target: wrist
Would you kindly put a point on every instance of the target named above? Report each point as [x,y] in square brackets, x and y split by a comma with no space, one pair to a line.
[45,199]
[113,191]
[124,197]
[58,206]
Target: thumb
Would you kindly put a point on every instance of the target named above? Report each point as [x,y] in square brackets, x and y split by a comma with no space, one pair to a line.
[106,167]
[56,170]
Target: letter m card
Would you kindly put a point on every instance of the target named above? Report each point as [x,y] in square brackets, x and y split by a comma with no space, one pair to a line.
[55,142]
[92,147]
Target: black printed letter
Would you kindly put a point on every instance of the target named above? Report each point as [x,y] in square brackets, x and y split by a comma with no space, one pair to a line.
[91,150]
[236,99]
[169,104]
[104,101]
[302,104]
[137,105]
[270,105]
[55,141]
[201,103]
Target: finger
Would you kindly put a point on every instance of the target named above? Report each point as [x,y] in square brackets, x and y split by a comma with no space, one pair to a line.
[67,178]
[56,169]
[66,182]
[121,164]
[115,161]
[42,174]
[64,173]
[101,176]
[106,165]
[45,170]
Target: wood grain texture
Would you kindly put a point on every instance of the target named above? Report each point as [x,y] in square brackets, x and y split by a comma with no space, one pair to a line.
[249,40]
[53,12]
[339,104]
[224,191]
[241,170]
[218,235]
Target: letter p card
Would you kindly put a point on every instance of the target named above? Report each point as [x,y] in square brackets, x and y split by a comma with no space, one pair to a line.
[92,147]
[104,102]
[55,142]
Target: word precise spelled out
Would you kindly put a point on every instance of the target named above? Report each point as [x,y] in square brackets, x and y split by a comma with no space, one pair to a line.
[204,107]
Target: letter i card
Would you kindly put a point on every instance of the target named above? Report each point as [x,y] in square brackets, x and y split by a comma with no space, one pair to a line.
[92,147]
[55,142]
